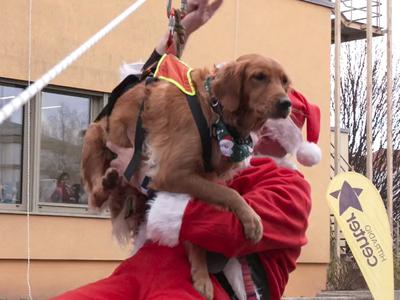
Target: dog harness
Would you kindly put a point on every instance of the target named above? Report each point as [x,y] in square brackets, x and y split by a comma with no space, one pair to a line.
[172,69]
[176,72]
[234,148]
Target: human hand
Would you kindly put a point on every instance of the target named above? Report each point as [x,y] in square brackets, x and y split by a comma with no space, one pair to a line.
[199,13]
[124,156]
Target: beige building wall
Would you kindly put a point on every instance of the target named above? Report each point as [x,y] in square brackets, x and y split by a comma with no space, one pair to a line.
[70,251]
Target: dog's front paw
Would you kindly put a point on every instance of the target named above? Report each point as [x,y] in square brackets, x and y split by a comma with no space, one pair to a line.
[204,286]
[253,228]
[110,179]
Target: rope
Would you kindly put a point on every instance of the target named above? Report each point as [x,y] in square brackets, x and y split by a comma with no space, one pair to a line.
[180,32]
[28,114]
[236,42]
[175,17]
[33,89]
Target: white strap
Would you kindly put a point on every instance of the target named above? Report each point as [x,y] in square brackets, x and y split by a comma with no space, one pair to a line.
[32,90]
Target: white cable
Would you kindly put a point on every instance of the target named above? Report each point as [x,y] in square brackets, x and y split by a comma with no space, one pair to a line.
[28,198]
[236,46]
[32,90]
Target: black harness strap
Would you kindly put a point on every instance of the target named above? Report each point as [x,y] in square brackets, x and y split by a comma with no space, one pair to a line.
[126,84]
[204,131]
[259,276]
[223,281]
[202,126]
[216,263]
[134,164]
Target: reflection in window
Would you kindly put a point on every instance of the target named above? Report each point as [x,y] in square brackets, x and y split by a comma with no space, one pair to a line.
[63,121]
[10,150]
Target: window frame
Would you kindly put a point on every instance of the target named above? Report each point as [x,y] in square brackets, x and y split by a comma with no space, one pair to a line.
[30,190]
[23,205]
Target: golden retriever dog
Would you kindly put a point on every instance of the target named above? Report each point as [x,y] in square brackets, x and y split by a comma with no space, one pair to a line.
[250,90]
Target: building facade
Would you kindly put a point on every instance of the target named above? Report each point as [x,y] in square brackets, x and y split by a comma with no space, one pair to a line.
[40,144]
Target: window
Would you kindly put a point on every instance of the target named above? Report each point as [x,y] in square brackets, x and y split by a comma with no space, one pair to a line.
[64,118]
[58,120]
[11,136]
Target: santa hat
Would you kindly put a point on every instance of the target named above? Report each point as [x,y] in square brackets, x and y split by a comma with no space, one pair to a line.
[287,132]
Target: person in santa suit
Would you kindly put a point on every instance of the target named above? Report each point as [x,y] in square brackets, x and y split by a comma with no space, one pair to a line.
[280,195]
[271,185]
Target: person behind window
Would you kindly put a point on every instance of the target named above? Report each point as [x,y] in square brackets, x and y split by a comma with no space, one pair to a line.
[76,193]
[63,192]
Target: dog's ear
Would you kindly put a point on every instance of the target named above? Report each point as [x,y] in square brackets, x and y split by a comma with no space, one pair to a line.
[228,84]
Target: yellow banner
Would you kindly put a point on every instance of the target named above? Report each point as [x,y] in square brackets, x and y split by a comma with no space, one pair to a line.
[361,215]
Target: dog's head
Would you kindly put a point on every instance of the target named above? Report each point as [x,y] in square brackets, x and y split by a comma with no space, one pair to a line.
[251,90]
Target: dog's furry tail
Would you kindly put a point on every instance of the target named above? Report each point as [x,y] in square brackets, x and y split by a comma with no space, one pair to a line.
[123,226]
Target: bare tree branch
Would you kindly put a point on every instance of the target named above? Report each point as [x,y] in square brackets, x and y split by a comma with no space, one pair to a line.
[353,116]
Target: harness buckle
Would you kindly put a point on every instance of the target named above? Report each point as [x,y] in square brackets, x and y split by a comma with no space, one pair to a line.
[214,102]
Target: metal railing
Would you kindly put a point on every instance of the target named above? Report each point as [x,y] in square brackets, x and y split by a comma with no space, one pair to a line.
[343,161]
[356,11]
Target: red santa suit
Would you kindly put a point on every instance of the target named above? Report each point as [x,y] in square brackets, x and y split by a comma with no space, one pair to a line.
[160,268]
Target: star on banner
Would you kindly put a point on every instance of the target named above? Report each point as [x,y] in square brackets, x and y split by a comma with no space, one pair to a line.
[348,197]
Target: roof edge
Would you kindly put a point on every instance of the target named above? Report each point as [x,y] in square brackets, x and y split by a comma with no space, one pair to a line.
[325,3]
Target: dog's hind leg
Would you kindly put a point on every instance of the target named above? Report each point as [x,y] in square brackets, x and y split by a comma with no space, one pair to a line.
[199,271]
[94,165]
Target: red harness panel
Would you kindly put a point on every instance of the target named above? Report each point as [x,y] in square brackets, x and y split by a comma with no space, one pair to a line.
[175,71]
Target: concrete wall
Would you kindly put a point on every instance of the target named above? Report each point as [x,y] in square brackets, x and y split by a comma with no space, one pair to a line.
[294,32]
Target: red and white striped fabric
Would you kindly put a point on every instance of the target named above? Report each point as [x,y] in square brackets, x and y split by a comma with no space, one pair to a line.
[249,285]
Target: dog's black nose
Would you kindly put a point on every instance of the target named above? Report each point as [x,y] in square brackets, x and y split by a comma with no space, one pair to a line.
[284,104]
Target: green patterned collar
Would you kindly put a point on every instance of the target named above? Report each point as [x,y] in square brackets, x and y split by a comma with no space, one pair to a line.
[231,146]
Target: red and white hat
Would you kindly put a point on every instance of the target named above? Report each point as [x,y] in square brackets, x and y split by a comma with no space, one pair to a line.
[287,132]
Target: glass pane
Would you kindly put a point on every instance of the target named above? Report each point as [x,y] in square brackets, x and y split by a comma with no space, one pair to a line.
[64,119]
[10,150]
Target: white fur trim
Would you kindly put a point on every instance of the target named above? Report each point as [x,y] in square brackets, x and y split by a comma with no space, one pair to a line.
[285,132]
[165,218]
[233,273]
[308,154]
[128,69]
[284,162]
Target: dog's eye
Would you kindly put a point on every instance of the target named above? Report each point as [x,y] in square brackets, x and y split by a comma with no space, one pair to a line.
[260,76]
[285,80]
